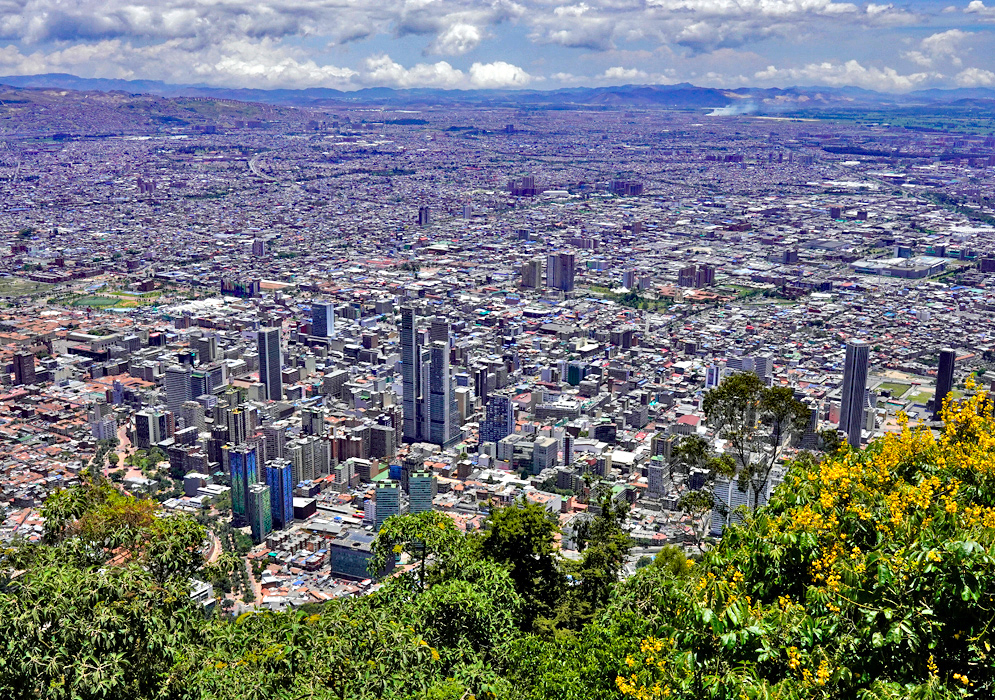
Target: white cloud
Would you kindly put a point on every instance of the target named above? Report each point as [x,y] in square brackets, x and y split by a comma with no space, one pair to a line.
[620,73]
[977,7]
[939,47]
[457,40]
[850,73]
[498,74]
[381,70]
[975,77]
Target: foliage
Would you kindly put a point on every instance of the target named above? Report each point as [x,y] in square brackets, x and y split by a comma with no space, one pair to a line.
[867,576]
[521,537]
[756,421]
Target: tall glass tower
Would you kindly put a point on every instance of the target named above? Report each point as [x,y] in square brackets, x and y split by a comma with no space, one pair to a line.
[270,362]
[854,390]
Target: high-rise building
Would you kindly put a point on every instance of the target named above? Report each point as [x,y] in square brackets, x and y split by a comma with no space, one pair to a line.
[270,362]
[560,271]
[24,367]
[532,273]
[704,277]
[192,414]
[424,216]
[281,491]
[207,349]
[421,491]
[431,413]
[854,388]
[388,501]
[383,442]
[944,380]
[151,427]
[177,383]
[323,320]
[411,375]
[499,419]
[686,276]
[244,472]
[259,512]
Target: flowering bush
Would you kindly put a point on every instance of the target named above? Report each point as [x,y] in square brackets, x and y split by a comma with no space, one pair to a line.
[869,575]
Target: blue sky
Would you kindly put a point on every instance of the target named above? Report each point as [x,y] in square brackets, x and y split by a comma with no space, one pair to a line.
[349,44]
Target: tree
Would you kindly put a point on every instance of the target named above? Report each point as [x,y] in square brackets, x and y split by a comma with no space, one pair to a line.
[868,575]
[693,455]
[422,535]
[521,537]
[756,421]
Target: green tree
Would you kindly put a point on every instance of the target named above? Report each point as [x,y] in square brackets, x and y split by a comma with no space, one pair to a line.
[521,536]
[694,455]
[757,422]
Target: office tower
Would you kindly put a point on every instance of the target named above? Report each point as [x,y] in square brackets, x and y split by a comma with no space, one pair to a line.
[259,512]
[281,492]
[207,349]
[544,454]
[429,398]
[388,501]
[383,442]
[424,216]
[854,388]
[244,471]
[151,427]
[323,320]
[481,383]
[24,368]
[313,421]
[532,274]
[656,477]
[411,375]
[192,414]
[238,423]
[275,435]
[499,419]
[944,380]
[560,271]
[270,362]
[177,383]
[421,491]
[258,248]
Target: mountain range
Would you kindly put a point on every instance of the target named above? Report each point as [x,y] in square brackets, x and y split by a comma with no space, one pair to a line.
[678,96]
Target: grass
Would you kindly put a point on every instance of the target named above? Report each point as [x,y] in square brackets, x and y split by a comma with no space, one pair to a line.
[895,388]
[96,301]
[15,286]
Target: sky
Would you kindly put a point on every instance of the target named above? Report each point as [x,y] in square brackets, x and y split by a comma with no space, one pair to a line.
[537,44]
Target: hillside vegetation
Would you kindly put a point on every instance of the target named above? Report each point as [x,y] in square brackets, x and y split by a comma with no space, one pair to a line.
[869,575]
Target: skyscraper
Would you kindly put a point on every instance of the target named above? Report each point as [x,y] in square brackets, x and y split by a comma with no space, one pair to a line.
[421,491]
[944,379]
[388,501]
[151,427]
[532,273]
[323,320]
[177,383]
[24,367]
[259,512]
[499,419]
[281,492]
[270,362]
[854,388]
[244,473]
[560,271]
[411,375]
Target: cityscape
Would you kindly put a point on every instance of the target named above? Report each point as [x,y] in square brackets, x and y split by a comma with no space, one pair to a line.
[298,324]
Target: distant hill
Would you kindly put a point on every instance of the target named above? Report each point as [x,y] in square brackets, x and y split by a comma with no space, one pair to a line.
[679,96]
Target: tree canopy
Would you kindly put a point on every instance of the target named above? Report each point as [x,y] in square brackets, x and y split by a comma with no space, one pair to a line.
[868,575]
